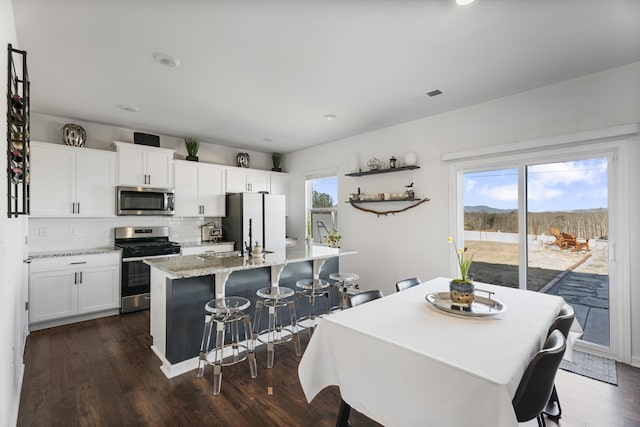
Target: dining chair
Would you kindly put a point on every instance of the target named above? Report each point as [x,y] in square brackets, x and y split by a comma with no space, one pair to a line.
[536,384]
[563,324]
[407,283]
[366,296]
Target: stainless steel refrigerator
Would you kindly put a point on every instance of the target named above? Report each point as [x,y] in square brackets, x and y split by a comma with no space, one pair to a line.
[267,215]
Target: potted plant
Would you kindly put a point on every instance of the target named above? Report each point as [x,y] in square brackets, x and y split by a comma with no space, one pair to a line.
[192,149]
[276,157]
[333,239]
[462,288]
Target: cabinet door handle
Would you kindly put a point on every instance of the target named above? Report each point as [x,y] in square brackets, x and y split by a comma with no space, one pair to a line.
[78,208]
[249,187]
[73,207]
[81,277]
[75,278]
[149,180]
[77,262]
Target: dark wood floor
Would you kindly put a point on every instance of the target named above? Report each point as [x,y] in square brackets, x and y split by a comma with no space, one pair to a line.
[102,373]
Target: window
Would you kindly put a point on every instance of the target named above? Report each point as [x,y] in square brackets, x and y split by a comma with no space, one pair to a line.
[322,208]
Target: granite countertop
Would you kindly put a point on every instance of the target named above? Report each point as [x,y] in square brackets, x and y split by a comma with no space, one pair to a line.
[202,265]
[197,244]
[73,252]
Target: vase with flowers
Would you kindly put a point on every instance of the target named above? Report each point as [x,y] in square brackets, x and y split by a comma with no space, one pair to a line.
[461,288]
[333,239]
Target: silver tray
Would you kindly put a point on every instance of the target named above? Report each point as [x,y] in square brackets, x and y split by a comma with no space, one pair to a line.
[480,307]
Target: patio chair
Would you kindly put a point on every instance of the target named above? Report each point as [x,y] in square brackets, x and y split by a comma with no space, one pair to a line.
[559,238]
[571,241]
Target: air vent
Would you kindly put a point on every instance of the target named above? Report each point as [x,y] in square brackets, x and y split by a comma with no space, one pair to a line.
[434,93]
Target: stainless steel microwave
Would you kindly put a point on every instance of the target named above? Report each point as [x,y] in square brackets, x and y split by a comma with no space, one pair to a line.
[144,201]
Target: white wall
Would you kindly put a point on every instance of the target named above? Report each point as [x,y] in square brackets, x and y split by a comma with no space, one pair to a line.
[48,128]
[11,367]
[413,243]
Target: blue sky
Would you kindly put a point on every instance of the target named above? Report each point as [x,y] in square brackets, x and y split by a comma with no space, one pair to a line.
[551,187]
[327,185]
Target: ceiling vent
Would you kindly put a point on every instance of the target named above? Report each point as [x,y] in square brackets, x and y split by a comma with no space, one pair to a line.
[434,93]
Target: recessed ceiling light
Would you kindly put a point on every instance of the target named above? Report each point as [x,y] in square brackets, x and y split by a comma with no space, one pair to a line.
[166,60]
[330,116]
[464,2]
[434,93]
[128,108]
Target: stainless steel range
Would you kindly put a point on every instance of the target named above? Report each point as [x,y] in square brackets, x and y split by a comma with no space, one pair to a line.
[138,244]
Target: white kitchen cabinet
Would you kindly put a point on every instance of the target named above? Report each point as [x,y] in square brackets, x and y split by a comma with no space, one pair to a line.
[143,166]
[243,180]
[199,189]
[64,287]
[217,247]
[278,183]
[72,181]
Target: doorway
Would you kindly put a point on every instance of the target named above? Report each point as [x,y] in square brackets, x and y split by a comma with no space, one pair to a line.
[545,222]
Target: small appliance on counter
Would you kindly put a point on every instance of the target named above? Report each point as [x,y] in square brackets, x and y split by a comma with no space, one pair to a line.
[210,232]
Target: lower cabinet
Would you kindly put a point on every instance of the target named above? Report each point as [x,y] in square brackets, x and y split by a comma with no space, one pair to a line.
[64,287]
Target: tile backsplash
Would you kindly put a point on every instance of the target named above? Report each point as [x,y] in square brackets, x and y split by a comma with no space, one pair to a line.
[50,234]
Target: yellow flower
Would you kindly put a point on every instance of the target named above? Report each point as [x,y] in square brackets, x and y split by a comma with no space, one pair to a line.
[463,262]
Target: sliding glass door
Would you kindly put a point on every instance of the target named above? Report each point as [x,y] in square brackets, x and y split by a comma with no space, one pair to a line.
[491,225]
[545,225]
[568,238]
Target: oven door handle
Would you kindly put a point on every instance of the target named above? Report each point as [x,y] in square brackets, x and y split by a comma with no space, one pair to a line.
[142,258]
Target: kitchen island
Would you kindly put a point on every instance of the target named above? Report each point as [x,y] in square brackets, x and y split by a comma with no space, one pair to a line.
[182,285]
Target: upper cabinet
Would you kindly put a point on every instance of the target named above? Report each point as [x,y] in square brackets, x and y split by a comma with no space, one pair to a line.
[199,189]
[72,181]
[243,180]
[144,166]
[278,183]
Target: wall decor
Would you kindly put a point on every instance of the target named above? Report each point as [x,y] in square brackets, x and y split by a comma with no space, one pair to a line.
[243,160]
[74,135]
[18,130]
[389,212]
[277,158]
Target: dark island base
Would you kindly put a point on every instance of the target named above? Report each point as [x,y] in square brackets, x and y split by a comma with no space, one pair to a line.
[186,299]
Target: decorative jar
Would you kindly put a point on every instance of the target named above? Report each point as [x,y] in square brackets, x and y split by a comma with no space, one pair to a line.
[461,292]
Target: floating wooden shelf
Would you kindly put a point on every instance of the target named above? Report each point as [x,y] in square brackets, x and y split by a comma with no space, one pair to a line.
[381,201]
[377,171]
[416,202]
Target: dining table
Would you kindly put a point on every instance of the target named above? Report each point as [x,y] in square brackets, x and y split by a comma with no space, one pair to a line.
[402,360]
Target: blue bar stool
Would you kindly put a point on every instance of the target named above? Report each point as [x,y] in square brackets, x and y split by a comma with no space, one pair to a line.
[225,314]
[347,284]
[312,289]
[275,299]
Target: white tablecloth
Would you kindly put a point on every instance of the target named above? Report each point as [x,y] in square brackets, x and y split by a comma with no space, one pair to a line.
[402,362]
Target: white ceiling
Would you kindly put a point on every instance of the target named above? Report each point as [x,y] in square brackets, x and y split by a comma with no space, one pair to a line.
[262,74]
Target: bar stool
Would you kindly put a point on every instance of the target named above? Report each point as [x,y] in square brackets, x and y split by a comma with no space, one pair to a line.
[275,299]
[346,283]
[226,314]
[313,288]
